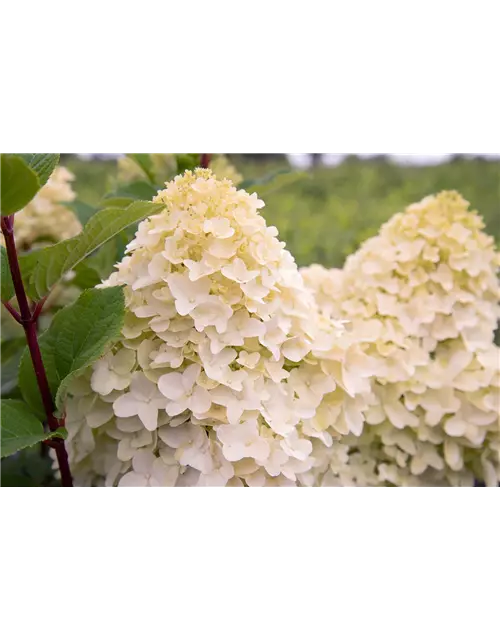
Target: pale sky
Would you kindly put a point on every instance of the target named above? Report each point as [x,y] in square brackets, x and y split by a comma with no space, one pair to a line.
[333,159]
[303,160]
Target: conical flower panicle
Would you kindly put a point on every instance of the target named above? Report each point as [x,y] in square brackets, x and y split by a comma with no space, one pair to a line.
[209,384]
[427,290]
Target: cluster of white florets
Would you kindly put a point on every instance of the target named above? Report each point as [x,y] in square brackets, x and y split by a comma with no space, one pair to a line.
[427,291]
[45,219]
[225,373]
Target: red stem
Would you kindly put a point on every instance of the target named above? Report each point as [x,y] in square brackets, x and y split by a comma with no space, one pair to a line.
[13,312]
[28,320]
[205,160]
[38,308]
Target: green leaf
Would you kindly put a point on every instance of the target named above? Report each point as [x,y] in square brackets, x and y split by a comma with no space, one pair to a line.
[19,184]
[187,161]
[43,164]
[117,201]
[28,468]
[97,267]
[6,284]
[41,269]
[145,162]
[273,181]
[121,242]
[11,356]
[126,194]
[14,479]
[103,260]
[86,276]
[20,428]
[140,190]
[78,335]
[82,210]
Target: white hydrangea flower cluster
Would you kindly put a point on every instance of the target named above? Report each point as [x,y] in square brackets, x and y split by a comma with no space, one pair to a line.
[222,376]
[45,218]
[426,288]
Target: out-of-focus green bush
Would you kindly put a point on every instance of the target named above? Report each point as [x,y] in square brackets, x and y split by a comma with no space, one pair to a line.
[325,216]
[93,178]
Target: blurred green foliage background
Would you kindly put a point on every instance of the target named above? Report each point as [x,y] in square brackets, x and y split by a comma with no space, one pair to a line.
[327,213]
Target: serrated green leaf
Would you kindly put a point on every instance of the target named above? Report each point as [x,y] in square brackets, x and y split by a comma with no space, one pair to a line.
[41,269]
[78,335]
[20,428]
[11,356]
[43,164]
[7,285]
[19,184]
[272,182]
[82,210]
[145,162]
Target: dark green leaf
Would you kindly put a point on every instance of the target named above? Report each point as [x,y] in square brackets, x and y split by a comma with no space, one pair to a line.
[78,335]
[11,356]
[19,184]
[187,161]
[6,284]
[13,479]
[141,190]
[122,240]
[41,269]
[103,260]
[97,267]
[28,468]
[43,164]
[20,428]
[126,194]
[86,276]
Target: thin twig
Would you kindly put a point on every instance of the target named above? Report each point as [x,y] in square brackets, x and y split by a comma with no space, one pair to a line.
[38,308]
[13,312]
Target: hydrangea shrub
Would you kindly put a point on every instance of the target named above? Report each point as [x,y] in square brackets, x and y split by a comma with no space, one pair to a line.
[207,358]
[424,293]
[225,373]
